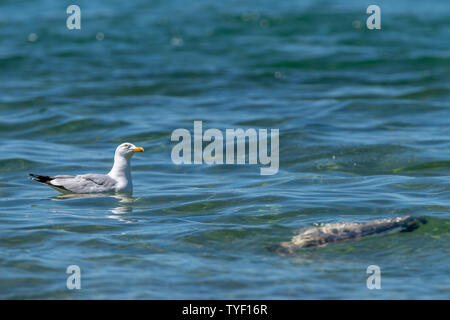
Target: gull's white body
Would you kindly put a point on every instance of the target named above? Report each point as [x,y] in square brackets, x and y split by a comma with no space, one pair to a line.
[118,180]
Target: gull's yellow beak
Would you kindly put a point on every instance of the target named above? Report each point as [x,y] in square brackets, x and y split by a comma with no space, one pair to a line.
[138,149]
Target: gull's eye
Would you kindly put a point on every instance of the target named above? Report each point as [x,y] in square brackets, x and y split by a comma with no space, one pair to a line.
[126,145]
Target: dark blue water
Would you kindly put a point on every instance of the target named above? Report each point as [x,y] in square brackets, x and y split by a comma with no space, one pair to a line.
[364,134]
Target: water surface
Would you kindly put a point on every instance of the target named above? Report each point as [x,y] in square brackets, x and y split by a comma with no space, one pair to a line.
[364,134]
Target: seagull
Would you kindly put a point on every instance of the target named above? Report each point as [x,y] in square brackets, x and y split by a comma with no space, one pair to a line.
[118,180]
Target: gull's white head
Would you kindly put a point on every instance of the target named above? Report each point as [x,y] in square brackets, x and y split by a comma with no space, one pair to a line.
[121,170]
[127,150]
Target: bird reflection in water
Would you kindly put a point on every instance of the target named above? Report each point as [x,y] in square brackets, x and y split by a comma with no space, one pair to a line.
[124,206]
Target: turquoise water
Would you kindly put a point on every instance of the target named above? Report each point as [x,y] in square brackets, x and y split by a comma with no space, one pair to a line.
[364,134]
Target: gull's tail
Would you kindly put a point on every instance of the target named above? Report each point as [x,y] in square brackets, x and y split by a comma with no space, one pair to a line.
[41,179]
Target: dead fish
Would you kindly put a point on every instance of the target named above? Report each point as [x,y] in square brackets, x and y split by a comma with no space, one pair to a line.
[346,231]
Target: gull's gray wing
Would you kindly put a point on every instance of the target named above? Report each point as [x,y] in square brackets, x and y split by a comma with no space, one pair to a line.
[86,183]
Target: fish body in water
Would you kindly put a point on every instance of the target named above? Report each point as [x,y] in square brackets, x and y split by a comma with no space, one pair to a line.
[346,231]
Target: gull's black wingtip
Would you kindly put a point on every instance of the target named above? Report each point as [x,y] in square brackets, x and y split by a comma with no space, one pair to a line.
[39,178]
